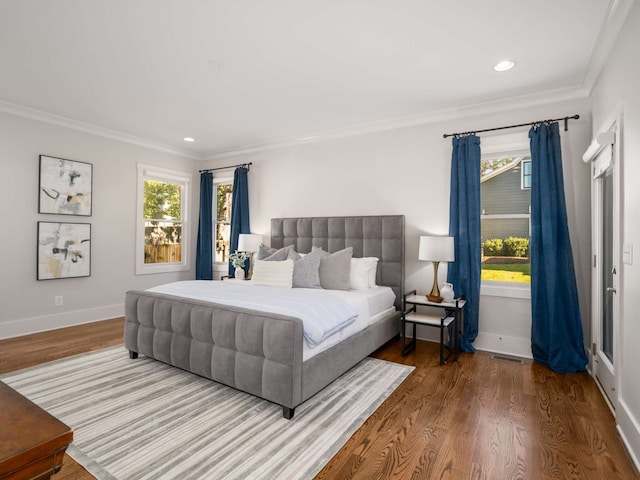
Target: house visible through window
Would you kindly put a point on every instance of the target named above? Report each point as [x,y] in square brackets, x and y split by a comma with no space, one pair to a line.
[222,220]
[162,233]
[505,198]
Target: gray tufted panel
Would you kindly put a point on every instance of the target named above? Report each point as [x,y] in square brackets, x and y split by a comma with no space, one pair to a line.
[258,353]
[370,236]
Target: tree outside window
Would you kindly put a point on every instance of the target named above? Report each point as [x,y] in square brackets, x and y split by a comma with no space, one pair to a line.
[162,224]
[224,197]
[162,230]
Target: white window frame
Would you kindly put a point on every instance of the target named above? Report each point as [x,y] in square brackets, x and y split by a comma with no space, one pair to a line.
[151,172]
[510,145]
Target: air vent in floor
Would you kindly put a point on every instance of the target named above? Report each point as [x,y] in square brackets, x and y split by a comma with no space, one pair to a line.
[508,358]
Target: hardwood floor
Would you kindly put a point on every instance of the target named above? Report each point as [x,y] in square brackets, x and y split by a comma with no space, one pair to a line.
[478,418]
[30,350]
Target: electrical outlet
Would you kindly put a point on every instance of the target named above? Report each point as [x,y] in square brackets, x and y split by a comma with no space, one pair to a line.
[58,300]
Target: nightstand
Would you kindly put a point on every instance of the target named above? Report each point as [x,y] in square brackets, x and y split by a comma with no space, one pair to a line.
[451,318]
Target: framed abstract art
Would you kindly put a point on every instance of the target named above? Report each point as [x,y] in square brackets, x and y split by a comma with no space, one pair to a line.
[65,186]
[64,250]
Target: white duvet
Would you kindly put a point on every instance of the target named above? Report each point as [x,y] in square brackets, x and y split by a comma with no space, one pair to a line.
[328,316]
[322,314]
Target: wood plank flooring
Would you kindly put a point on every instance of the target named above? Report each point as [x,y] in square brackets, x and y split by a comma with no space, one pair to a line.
[478,418]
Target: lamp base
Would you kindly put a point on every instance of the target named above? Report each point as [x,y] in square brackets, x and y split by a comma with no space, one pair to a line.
[434,295]
[434,298]
[250,274]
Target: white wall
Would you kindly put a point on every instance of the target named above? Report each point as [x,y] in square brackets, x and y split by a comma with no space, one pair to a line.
[27,305]
[406,171]
[618,87]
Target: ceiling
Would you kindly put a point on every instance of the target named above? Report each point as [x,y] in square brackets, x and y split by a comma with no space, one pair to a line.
[242,74]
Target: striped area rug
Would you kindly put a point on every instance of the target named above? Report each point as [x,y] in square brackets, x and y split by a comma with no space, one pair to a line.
[142,419]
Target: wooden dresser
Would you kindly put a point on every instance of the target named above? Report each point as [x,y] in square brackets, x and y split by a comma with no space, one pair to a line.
[32,442]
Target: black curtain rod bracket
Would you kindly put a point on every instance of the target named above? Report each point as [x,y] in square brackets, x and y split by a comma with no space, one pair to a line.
[246,165]
[566,126]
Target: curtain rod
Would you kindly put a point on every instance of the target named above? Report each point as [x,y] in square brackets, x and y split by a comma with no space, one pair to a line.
[247,165]
[566,126]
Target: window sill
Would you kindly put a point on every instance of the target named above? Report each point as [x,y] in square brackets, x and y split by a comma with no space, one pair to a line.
[148,269]
[505,289]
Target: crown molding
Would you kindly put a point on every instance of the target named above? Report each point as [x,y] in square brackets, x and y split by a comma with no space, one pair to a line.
[65,122]
[478,109]
[484,108]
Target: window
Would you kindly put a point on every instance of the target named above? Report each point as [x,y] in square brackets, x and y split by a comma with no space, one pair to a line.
[526,174]
[163,229]
[505,198]
[222,220]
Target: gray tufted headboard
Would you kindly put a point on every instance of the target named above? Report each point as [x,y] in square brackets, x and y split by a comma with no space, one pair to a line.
[370,236]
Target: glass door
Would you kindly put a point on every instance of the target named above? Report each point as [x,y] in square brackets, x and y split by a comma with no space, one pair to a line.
[608,268]
[606,281]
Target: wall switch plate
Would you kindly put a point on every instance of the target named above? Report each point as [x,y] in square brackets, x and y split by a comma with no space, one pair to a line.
[58,300]
[627,253]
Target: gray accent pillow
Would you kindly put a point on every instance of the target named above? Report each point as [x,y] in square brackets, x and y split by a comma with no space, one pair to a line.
[335,269]
[293,255]
[264,251]
[276,255]
[306,270]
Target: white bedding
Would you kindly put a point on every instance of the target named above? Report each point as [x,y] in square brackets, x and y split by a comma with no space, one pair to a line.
[372,305]
[322,314]
[358,309]
[378,298]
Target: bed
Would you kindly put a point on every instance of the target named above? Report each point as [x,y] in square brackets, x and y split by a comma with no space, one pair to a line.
[262,353]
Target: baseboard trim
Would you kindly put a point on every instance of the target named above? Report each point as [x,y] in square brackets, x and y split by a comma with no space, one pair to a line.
[503,344]
[44,323]
[629,430]
[487,342]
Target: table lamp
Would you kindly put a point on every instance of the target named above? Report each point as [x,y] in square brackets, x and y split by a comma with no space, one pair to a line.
[436,250]
[249,242]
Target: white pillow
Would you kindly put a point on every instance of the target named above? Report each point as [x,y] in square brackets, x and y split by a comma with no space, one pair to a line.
[373,271]
[363,273]
[273,273]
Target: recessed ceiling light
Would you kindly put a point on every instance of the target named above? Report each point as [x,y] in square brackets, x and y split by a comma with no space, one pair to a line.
[504,65]
[189,139]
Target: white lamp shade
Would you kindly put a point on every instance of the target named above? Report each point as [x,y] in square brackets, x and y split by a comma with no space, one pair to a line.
[436,249]
[249,242]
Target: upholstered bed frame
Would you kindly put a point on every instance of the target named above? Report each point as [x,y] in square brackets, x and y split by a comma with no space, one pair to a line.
[261,353]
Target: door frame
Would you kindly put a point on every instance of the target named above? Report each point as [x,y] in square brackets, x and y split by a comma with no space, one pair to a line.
[614,124]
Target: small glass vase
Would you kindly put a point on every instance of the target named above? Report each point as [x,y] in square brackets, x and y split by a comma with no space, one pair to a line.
[239,273]
[447,292]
